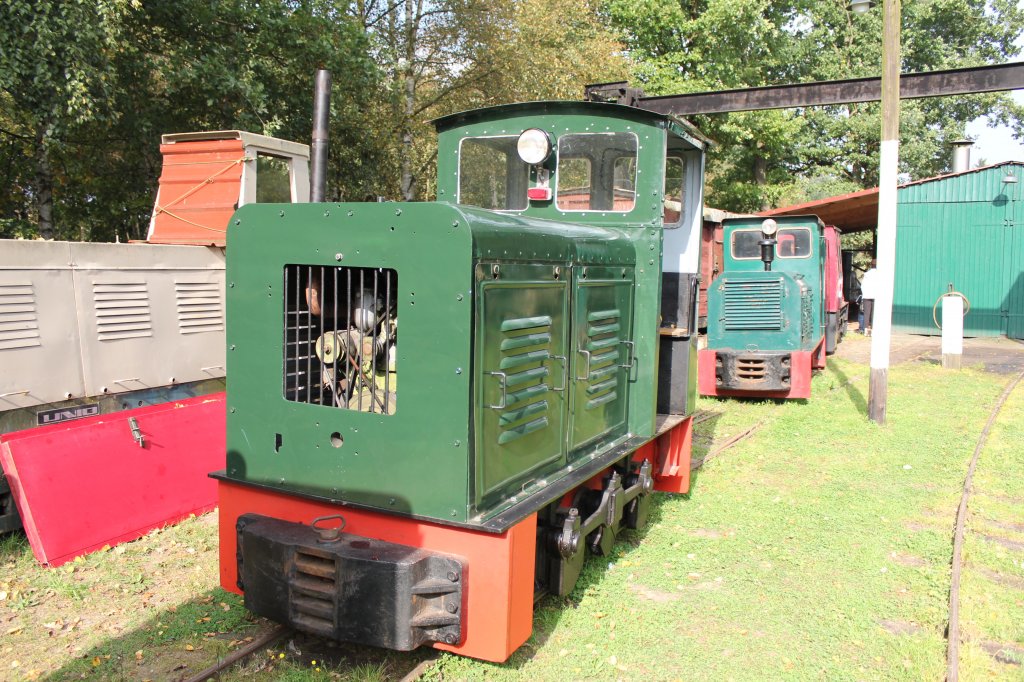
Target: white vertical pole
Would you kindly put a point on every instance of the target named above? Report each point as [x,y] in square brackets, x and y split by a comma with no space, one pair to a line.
[952,331]
[881,329]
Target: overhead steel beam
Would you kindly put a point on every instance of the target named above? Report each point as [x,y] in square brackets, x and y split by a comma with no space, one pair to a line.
[912,86]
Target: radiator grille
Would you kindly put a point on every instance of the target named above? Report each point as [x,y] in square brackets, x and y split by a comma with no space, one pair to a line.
[19,325]
[753,304]
[122,310]
[806,317]
[340,337]
[199,307]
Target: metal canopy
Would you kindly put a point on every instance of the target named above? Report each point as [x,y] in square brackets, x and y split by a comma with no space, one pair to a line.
[912,86]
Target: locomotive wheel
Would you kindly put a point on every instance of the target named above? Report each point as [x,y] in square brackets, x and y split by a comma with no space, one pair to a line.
[637,511]
[601,541]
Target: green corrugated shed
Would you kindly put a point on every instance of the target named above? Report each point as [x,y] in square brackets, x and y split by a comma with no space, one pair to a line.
[968,230]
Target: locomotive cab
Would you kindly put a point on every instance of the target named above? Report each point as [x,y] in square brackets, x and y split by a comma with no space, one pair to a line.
[417,482]
[767,313]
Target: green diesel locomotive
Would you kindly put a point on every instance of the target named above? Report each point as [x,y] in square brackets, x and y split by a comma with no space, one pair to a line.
[436,409]
[776,310]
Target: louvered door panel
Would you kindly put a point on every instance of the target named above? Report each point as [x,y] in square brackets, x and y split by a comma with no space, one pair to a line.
[520,405]
[150,316]
[40,361]
[602,328]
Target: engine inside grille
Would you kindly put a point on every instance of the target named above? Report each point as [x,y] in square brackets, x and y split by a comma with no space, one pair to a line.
[341,337]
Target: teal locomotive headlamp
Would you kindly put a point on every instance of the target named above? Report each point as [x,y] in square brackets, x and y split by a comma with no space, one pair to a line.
[768,229]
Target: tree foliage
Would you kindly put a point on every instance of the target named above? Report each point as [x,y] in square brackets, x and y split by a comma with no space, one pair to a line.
[765,158]
[450,55]
[88,87]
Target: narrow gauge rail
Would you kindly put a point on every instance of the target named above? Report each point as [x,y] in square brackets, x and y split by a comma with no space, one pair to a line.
[241,654]
[953,630]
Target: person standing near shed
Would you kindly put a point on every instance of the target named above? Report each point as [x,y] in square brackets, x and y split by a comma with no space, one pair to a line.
[869,290]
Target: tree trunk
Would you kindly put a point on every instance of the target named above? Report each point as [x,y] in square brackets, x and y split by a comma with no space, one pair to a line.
[761,178]
[44,188]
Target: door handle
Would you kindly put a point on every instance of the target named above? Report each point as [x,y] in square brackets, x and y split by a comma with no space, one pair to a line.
[586,373]
[504,391]
[632,355]
[565,371]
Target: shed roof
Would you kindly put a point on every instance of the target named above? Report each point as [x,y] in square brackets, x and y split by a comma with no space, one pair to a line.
[858,211]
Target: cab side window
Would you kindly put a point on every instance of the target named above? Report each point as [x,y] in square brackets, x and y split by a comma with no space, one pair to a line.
[491,174]
[273,179]
[675,183]
[596,172]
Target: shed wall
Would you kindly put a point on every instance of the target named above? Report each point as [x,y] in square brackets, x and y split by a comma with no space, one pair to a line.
[968,231]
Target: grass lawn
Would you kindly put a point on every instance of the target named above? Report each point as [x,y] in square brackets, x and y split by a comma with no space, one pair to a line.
[818,548]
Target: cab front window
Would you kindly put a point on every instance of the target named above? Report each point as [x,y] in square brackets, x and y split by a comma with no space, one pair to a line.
[597,172]
[491,174]
[791,242]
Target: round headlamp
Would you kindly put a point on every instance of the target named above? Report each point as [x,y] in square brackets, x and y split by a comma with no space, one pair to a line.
[534,146]
[769,227]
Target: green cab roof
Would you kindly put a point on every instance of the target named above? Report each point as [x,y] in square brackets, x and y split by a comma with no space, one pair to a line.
[678,126]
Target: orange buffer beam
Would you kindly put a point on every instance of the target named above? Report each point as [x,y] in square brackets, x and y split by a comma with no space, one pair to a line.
[498,587]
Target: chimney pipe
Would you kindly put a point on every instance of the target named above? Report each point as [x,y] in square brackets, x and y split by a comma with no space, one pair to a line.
[321,119]
[961,155]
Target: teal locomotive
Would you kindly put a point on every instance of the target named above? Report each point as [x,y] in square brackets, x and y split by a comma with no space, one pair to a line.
[435,410]
[776,310]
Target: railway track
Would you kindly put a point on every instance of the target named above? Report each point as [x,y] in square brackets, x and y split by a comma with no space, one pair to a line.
[214,671]
[953,629]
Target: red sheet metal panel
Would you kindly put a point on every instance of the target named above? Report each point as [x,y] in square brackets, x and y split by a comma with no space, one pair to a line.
[854,212]
[200,185]
[711,263]
[90,483]
[833,271]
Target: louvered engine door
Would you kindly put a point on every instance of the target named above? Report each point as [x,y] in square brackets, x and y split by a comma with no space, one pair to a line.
[601,356]
[521,377]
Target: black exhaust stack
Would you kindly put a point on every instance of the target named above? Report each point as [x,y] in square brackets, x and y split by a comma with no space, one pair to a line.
[321,118]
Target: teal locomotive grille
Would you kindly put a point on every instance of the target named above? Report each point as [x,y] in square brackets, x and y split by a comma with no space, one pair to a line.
[753,304]
[806,318]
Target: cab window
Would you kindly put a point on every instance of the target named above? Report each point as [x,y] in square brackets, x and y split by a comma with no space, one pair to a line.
[491,174]
[675,182]
[596,172]
[273,179]
[792,242]
[744,244]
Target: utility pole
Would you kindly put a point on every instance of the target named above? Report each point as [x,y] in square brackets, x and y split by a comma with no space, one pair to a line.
[881,330]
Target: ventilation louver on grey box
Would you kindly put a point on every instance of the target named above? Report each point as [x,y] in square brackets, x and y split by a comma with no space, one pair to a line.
[19,324]
[122,310]
[199,307]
